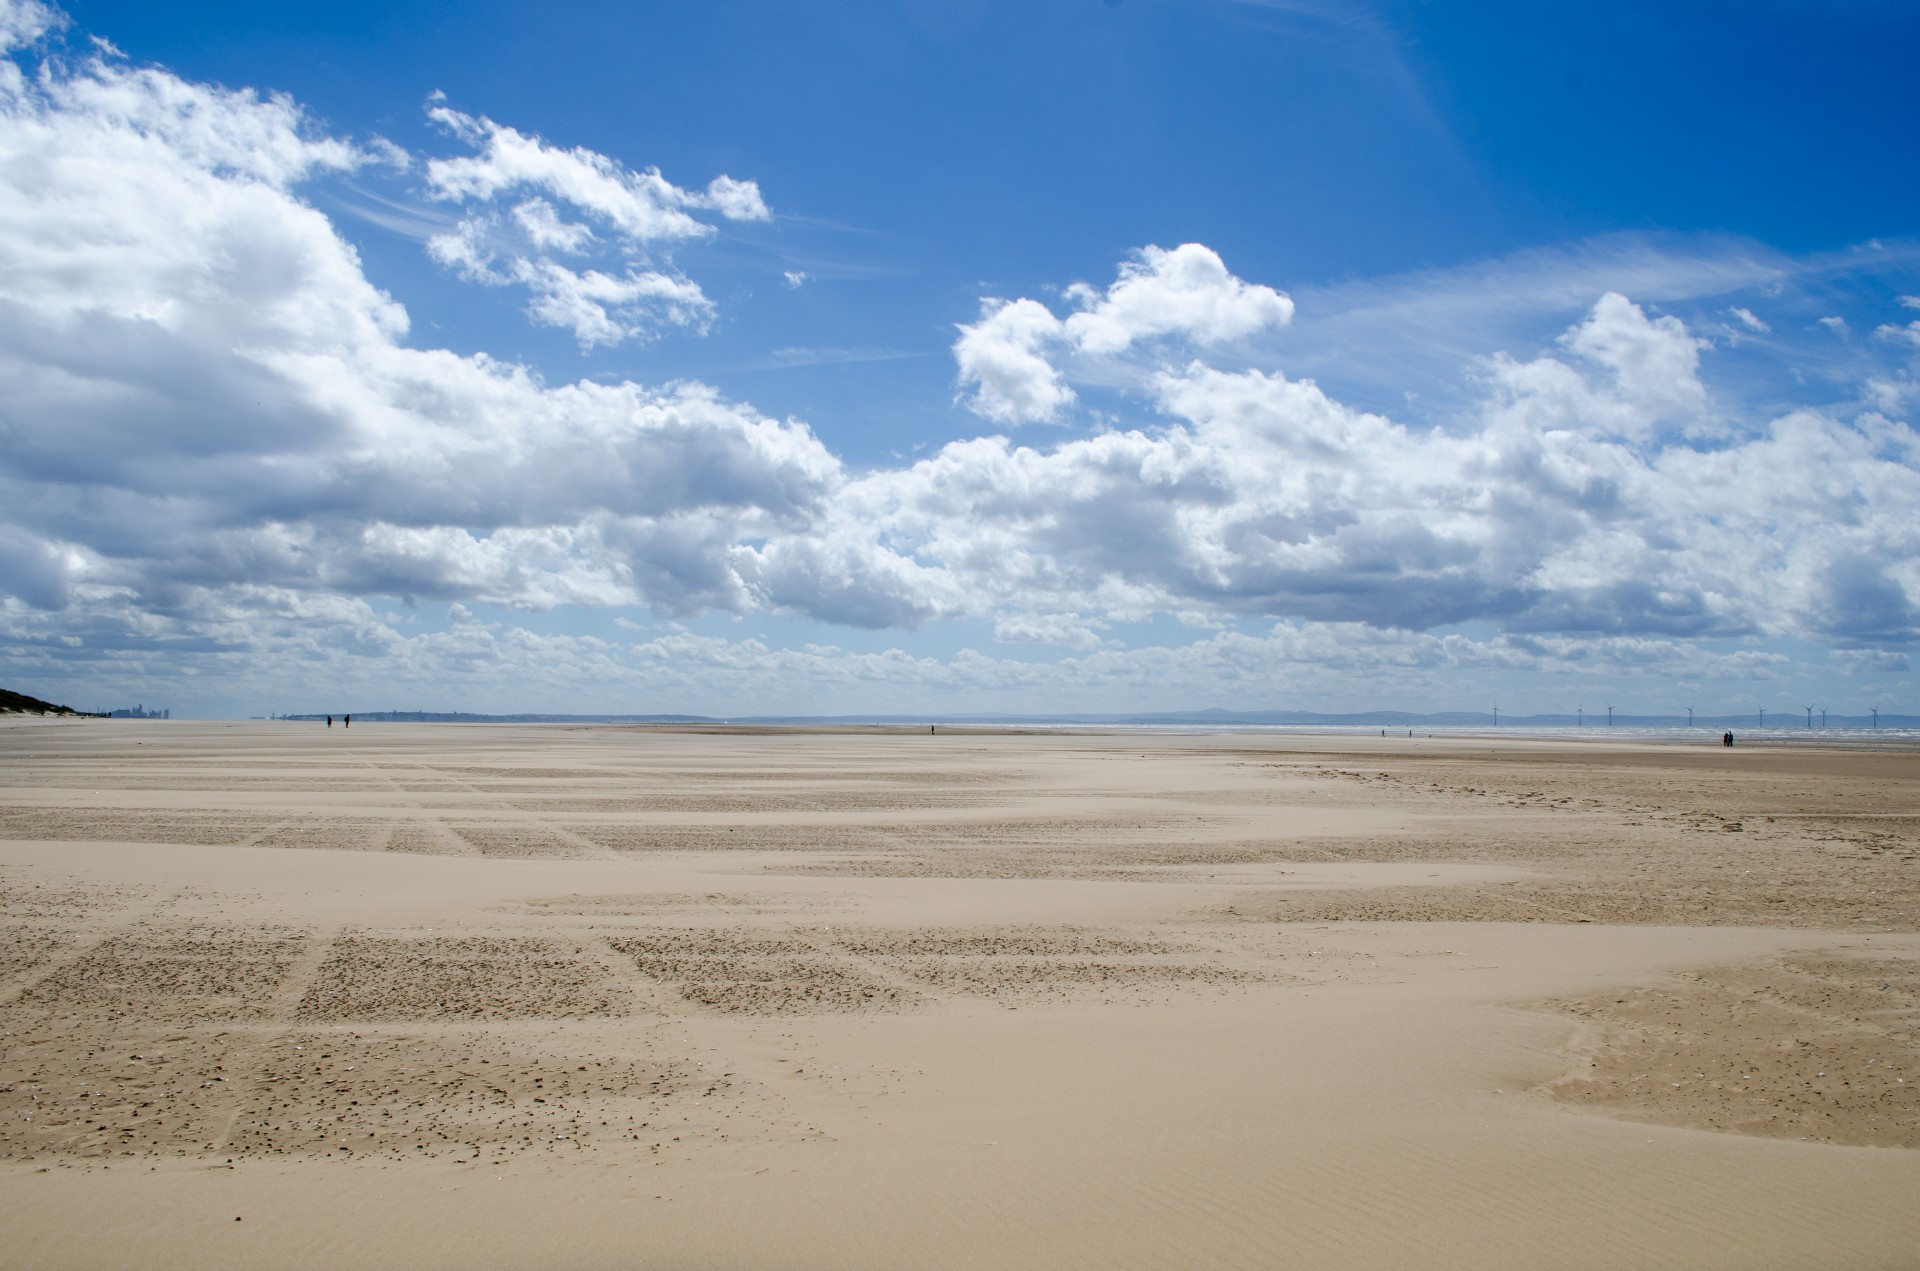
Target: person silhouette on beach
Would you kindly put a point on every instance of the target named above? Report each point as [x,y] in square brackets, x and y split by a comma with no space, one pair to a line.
[329,721]
[346,721]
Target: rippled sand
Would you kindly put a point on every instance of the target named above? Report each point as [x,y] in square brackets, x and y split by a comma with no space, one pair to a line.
[472,996]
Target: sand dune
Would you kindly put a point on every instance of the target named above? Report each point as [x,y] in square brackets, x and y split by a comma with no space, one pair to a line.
[424,995]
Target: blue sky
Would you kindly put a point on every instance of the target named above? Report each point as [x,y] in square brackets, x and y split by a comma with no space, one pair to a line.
[955,356]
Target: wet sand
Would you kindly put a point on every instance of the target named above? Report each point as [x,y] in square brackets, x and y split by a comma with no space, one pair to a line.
[420,995]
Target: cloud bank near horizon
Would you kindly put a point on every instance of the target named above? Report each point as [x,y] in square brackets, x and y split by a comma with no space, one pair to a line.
[222,453]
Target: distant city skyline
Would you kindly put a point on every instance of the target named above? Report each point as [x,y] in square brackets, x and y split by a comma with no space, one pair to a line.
[947,358]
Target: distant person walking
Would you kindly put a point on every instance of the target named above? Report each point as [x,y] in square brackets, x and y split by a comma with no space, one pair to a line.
[346,721]
[1726,739]
[329,721]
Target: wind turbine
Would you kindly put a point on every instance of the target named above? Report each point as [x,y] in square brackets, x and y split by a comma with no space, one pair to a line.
[1689,717]
[1763,717]
[1876,717]
[1809,718]
[1580,717]
[1496,714]
[1609,714]
[1823,717]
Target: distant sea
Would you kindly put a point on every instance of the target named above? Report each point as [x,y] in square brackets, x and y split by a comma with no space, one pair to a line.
[1900,730]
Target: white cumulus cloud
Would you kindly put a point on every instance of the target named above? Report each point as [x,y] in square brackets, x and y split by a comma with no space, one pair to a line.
[1594,494]
[619,215]
[1186,292]
[643,206]
[200,391]
[1012,358]
[24,21]
[218,451]
[1004,356]
[1908,334]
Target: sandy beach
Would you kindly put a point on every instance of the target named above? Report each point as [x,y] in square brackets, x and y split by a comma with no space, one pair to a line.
[467,996]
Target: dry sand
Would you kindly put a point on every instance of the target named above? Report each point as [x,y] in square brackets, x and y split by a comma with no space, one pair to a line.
[415,995]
